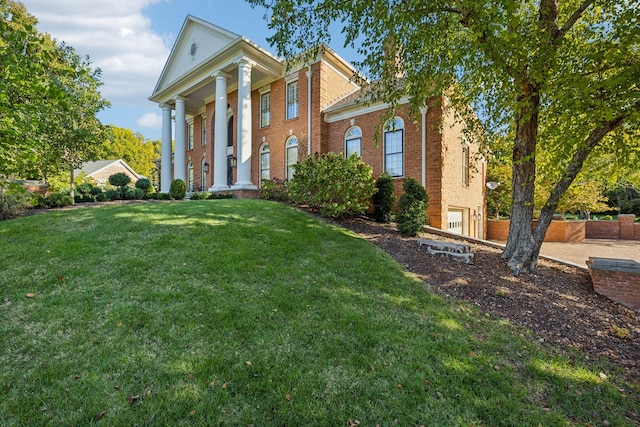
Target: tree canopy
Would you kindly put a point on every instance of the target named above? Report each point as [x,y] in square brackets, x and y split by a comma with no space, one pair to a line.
[48,114]
[558,75]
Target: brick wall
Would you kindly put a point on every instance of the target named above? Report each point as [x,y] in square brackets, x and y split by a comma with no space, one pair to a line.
[617,279]
[602,229]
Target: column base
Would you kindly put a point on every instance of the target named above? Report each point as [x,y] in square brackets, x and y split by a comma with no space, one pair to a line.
[244,186]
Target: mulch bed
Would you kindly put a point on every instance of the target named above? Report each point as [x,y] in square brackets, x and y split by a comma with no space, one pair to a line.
[557,303]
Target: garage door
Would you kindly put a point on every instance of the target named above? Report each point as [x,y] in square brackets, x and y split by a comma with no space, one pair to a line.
[455,222]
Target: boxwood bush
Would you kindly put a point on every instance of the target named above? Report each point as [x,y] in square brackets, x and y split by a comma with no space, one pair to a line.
[384,200]
[412,208]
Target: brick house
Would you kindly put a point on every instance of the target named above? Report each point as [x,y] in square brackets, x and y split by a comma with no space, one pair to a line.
[241,116]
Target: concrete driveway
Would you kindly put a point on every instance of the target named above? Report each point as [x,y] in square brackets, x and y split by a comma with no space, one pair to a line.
[579,253]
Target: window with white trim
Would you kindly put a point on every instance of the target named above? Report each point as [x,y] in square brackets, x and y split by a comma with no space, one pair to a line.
[292,155]
[353,141]
[394,147]
[190,183]
[265,109]
[203,174]
[465,164]
[265,162]
[204,131]
[292,99]
[190,136]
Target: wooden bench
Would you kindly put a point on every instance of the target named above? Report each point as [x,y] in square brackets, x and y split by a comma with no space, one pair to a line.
[451,251]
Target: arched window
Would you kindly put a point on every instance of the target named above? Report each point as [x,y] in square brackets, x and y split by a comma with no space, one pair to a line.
[353,141]
[190,184]
[292,155]
[394,147]
[265,162]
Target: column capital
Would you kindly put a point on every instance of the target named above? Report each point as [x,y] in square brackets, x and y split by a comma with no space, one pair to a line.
[244,61]
[423,110]
[180,98]
[218,75]
[165,105]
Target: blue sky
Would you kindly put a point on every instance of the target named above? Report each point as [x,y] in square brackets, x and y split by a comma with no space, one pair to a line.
[130,41]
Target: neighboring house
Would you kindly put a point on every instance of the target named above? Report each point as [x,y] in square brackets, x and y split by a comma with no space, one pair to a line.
[101,170]
[241,116]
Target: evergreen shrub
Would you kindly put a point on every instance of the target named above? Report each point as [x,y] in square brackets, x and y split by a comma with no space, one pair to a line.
[59,200]
[384,200]
[178,189]
[412,208]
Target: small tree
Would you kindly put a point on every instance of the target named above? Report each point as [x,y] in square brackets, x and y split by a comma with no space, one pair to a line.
[384,200]
[412,206]
[120,180]
[178,189]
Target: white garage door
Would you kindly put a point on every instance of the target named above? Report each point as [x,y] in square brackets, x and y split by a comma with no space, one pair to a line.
[455,222]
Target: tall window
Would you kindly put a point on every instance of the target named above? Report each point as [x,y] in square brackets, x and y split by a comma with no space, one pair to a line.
[265,162]
[465,164]
[190,183]
[265,109]
[292,100]
[190,136]
[203,174]
[292,155]
[394,147]
[353,141]
[204,130]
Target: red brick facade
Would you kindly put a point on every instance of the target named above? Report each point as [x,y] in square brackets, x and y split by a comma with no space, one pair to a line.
[438,132]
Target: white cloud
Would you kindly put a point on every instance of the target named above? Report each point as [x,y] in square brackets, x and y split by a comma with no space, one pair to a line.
[116,36]
[150,120]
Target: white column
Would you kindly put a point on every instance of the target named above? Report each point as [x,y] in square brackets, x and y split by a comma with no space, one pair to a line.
[165,162]
[180,159]
[220,135]
[244,126]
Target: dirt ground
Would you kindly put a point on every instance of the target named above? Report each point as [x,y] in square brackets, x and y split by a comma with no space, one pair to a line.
[557,303]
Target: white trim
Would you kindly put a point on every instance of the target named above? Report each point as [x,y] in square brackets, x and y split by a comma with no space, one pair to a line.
[354,109]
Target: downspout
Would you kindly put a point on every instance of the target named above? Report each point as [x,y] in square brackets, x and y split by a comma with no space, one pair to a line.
[423,112]
[309,109]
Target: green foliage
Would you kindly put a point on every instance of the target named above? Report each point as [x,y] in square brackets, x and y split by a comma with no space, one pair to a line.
[38,201]
[131,147]
[412,208]
[178,189]
[625,198]
[332,184]
[499,198]
[113,194]
[160,196]
[199,196]
[146,186]
[133,194]
[120,180]
[59,200]
[274,189]
[384,200]
[13,200]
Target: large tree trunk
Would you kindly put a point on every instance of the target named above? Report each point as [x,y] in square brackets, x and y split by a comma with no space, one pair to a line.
[521,249]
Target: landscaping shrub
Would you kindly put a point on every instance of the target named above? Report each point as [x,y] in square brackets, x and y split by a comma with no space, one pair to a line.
[412,208]
[161,196]
[120,180]
[145,185]
[59,200]
[178,189]
[13,200]
[274,189]
[199,196]
[332,184]
[213,196]
[112,194]
[384,200]
[102,197]
[133,194]
[37,201]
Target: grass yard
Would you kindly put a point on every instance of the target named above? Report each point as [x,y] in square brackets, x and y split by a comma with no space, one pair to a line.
[240,312]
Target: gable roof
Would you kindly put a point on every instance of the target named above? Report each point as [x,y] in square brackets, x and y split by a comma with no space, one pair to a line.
[91,168]
[197,41]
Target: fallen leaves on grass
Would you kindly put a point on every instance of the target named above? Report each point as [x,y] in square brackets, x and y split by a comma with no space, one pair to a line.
[30,295]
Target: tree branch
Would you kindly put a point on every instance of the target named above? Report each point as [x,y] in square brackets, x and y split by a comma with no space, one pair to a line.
[577,14]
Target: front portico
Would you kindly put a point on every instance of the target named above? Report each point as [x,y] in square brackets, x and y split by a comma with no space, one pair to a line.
[208,82]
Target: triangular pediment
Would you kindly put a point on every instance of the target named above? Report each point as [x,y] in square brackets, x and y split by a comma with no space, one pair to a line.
[197,41]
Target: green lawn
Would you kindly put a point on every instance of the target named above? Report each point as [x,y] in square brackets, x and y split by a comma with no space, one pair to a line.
[239,312]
